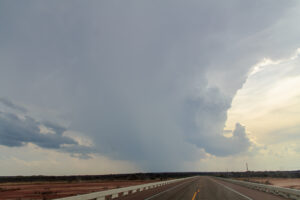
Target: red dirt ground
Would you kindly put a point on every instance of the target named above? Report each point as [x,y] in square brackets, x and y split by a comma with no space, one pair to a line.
[42,190]
[293,183]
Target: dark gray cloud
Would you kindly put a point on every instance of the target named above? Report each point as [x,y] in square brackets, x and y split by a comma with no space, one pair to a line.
[59,130]
[12,105]
[223,146]
[206,115]
[16,132]
[147,81]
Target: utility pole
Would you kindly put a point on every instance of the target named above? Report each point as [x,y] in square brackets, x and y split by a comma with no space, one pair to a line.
[247,167]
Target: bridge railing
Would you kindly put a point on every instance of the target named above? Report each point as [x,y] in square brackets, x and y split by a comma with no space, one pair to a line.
[114,193]
[284,192]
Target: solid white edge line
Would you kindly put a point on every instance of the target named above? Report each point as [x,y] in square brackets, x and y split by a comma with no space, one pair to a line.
[232,190]
[164,191]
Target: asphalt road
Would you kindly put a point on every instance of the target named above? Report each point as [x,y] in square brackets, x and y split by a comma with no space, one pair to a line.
[201,188]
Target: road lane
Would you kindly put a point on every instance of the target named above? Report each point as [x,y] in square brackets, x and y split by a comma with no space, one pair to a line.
[209,190]
[202,188]
[160,191]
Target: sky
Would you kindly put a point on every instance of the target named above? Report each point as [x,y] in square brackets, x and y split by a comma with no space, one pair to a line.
[98,87]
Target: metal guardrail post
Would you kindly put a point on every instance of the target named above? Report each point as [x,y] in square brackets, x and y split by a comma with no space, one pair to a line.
[284,192]
[114,193]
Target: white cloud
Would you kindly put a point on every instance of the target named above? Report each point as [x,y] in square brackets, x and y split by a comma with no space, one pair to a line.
[268,104]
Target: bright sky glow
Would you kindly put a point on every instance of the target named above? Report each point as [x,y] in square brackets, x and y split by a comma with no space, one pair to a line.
[268,105]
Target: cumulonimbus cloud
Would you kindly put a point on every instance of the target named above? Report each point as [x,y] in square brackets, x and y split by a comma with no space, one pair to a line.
[147,81]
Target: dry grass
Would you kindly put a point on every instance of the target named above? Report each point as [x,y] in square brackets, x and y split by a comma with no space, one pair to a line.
[50,190]
[293,183]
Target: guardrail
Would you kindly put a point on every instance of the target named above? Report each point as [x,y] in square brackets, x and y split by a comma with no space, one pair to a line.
[114,193]
[284,192]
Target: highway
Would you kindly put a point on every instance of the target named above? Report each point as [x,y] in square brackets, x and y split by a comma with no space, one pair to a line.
[201,188]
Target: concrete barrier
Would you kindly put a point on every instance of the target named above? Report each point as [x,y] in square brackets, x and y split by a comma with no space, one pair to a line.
[115,193]
[284,192]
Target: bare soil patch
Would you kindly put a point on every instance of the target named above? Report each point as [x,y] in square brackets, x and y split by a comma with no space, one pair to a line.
[293,183]
[51,190]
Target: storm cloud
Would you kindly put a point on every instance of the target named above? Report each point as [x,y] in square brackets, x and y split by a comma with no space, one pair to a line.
[206,115]
[12,105]
[17,131]
[147,81]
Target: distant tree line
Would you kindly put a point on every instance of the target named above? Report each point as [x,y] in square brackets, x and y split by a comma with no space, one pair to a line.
[274,174]
[149,176]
